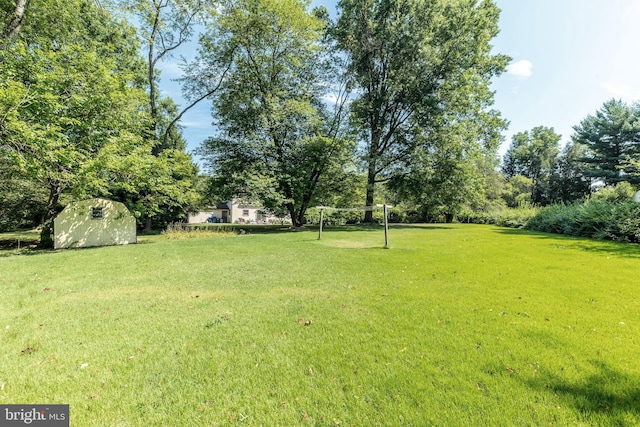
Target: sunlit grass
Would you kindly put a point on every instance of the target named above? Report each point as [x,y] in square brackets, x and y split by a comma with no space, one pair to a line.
[454,325]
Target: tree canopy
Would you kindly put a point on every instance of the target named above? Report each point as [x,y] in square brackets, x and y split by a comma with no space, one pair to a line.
[277,139]
[533,155]
[72,104]
[412,62]
[612,137]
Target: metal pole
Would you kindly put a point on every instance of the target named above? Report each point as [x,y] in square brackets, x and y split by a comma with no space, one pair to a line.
[320,230]
[386,228]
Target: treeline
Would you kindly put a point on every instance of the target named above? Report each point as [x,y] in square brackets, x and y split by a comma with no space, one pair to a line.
[587,189]
[387,100]
[380,102]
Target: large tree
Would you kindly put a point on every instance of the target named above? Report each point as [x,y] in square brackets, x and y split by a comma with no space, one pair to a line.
[612,137]
[72,110]
[452,169]
[277,139]
[533,155]
[407,58]
[67,96]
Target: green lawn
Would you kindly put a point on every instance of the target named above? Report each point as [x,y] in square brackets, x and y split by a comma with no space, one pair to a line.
[455,325]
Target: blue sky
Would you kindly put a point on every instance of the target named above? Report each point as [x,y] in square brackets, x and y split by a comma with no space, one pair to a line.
[569,57]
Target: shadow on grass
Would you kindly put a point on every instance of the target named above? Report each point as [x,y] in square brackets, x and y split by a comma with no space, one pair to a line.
[18,246]
[606,391]
[605,247]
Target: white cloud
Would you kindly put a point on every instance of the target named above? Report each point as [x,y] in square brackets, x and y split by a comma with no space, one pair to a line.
[522,69]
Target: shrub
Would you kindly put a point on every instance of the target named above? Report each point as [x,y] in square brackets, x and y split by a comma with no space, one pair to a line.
[623,192]
[598,218]
[509,217]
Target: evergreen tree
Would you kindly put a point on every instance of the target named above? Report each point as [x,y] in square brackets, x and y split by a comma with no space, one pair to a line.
[612,137]
[568,181]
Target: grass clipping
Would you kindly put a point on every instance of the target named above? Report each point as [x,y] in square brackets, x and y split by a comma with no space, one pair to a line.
[179,231]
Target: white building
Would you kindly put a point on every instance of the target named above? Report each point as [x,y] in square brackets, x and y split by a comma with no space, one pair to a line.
[233,212]
[94,222]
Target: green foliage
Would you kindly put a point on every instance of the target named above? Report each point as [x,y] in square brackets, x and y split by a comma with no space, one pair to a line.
[612,137]
[421,69]
[533,155]
[610,215]
[22,201]
[278,143]
[505,217]
[517,191]
[67,96]
[620,193]
[157,189]
[73,122]
[569,181]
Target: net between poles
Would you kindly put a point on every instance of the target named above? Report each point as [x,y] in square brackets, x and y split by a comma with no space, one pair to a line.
[356,209]
[385,208]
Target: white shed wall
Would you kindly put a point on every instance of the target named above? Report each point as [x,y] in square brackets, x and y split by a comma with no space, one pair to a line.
[75,227]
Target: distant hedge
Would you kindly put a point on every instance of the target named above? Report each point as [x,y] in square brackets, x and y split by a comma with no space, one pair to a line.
[508,217]
[599,219]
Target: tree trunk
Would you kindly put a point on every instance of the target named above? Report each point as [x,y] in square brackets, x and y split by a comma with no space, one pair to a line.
[153,128]
[371,183]
[295,220]
[301,212]
[52,202]
[372,173]
[13,27]
[151,75]
[46,234]
[148,225]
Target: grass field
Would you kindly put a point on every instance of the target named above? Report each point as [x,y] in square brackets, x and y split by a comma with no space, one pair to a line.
[455,325]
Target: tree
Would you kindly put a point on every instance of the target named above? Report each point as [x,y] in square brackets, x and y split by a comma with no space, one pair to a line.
[533,155]
[154,187]
[68,98]
[22,200]
[278,141]
[568,181]
[16,17]
[612,137]
[517,191]
[165,25]
[407,59]
[453,169]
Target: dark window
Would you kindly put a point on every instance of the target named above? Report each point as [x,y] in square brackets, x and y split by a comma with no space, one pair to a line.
[96,213]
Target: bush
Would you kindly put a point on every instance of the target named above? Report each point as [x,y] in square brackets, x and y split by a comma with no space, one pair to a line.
[509,217]
[623,192]
[599,218]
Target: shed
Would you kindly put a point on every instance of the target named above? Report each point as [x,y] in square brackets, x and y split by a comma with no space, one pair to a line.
[94,222]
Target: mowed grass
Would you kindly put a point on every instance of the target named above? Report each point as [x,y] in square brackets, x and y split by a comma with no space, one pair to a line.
[456,325]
